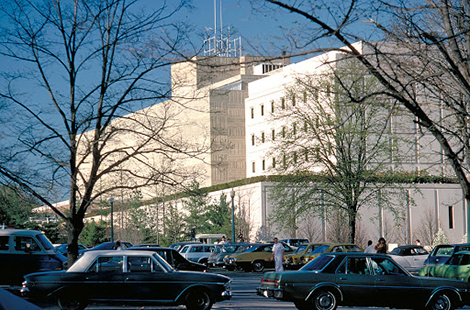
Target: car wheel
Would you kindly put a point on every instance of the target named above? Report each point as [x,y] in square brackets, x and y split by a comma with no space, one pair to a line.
[199,300]
[258,266]
[302,305]
[440,302]
[70,303]
[324,300]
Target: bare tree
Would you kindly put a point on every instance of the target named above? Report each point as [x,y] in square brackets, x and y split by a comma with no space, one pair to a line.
[427,227]
[423,63]
[342,136]
[76,70]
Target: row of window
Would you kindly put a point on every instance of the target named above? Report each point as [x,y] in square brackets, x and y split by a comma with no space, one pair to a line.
[295,158]
[283,134]
[283,102]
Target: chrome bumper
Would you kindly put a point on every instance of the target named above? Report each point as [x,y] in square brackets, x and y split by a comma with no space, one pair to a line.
[277,293]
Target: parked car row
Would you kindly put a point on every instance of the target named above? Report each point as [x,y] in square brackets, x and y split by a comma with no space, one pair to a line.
[361,279]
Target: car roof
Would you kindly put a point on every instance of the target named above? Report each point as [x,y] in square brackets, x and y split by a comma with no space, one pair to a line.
[25,232]
[409,246]
[150,248]
[89,256]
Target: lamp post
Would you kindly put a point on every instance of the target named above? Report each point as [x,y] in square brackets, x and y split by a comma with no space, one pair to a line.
[232,195]
[111,201]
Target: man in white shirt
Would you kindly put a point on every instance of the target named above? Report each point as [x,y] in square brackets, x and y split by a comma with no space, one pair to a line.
[278,255]
[370,248]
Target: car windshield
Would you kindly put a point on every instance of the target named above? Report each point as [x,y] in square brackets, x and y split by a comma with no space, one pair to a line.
[164,263]
[184,249]
[45,242]
[318,263]
[301,249]
[321,249]
[443,251]
[230,248]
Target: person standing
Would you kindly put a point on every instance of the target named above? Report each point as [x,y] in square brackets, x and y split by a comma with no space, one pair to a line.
[370,248]
[278,255]
[381,247]
[118,246]
[418,242]
[224,241]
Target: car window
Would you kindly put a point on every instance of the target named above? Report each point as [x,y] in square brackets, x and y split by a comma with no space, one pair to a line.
[444,251]
[421,251]
[107,264]
[385,266]
[352,248]
[184,249]
[462,248]
[196,249]
[317,264]
[354,265]
[46,244]
[301,249]
[142,264]
[321,249]
[24,243]
[4,245]
[268,249]
[337,249]
[459,259]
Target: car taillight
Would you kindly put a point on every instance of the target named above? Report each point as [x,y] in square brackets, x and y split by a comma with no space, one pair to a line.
[270,281]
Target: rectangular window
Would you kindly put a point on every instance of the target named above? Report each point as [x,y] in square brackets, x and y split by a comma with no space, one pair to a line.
[283,132]
[264,165]
[294,129]
[262,109]
[272,106]
[274,162]
[305,97]
[262,137]
[273,134]
[294,157]
[293,100]
[253,167]
[4,243]
[252,112]
[252,139]
[283,103]
[451,217]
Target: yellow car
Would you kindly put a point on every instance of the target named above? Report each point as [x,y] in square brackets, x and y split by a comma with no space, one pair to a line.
[331,247]
[255,258]
[294,260]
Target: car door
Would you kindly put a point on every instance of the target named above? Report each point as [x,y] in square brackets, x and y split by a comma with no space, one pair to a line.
[418,255]
[104,278]
[146,279]
[393,286]
[356,281]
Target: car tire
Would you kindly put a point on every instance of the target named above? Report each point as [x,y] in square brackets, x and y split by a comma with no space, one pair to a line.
[199,300]
[441,301]
[302,305]
[257,266]
[70,303]
[324,300]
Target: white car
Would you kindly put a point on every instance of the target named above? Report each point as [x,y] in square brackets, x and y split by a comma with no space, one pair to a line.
[411,257]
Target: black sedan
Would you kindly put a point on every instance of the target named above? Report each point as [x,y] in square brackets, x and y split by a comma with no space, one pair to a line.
[174,258]
[127,276]
[362,279]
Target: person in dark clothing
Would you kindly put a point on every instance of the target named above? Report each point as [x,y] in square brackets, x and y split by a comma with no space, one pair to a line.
[381,247]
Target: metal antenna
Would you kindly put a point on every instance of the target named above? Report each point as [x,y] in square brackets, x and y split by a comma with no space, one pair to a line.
[221,45]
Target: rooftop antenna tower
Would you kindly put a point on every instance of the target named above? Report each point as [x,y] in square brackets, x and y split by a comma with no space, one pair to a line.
[221,44]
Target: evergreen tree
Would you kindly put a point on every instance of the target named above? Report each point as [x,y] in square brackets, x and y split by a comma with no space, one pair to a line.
[440,238]
[219,217]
